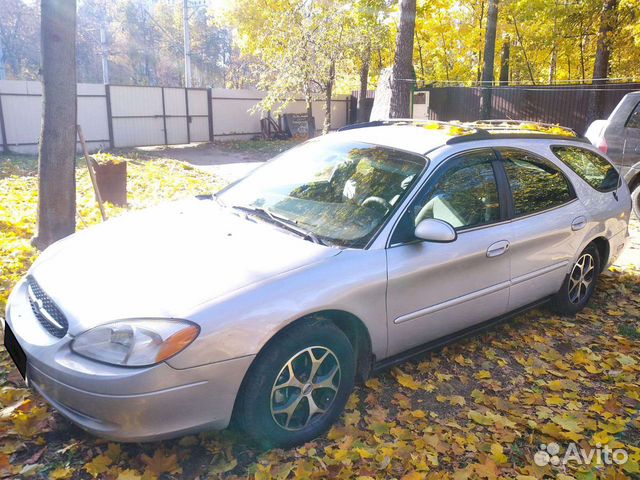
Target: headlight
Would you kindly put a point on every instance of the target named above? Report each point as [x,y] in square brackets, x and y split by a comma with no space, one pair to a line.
[136,343]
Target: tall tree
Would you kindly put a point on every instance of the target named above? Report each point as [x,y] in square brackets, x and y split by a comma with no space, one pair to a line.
[601,64]
[364,82]
[489,56]
[366,33]
[56,159]
[403,75]
[504,61]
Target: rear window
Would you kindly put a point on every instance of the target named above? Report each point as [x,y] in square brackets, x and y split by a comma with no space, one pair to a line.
[634,118]
[591,167]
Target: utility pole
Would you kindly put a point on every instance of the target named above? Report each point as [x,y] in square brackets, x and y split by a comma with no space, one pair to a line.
[2,72]
[105,56]
[187,47]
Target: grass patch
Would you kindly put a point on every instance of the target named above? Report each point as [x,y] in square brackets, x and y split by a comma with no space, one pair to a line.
[148,183]
[17,164]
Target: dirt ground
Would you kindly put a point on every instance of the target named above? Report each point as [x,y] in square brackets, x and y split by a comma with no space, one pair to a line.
[228,160]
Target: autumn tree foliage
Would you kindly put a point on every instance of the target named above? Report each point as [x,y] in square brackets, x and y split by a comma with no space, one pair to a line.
[314,47]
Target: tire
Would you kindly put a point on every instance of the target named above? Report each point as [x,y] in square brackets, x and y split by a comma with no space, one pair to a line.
[305,345]
[635,201]
[577,288]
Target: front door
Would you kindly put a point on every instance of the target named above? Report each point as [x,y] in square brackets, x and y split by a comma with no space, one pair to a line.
[435,289]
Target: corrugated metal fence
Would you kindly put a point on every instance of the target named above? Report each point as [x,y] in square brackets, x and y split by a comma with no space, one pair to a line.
[562,104]
[565,105]
[131,116]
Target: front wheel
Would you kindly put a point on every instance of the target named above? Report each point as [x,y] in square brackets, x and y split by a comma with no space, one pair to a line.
[298,385]
[579,284]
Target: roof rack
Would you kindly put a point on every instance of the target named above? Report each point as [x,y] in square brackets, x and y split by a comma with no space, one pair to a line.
[406,121]
[518,125]
[485,129]
[481,134]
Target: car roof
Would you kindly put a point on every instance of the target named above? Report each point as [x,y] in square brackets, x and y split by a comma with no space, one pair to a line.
[423,136]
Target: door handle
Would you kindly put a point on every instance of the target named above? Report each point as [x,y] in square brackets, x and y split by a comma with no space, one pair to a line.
[578,223]
[497,249]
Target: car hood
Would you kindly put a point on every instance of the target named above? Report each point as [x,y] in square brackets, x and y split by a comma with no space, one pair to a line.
[165,261]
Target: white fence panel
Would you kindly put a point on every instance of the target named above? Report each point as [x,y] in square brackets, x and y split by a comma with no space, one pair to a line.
[130,101]
[174,102]
[176,130]
[22,118]
[22,114]
[198,115]
[92,115]
[136,116]
[199,129]
[137,132]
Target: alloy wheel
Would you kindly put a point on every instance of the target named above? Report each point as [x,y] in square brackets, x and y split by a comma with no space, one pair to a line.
[305,388]
[581,278]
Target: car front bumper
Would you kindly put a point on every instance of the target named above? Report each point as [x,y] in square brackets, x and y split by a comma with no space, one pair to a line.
[119,403]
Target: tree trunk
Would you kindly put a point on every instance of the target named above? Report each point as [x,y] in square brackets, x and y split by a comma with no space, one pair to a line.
[327,103]
[552,65]
[504,61]
[311,128]
[601,64]
[403,75]
[364,85]
[56,159]
[479,72]
[489,57]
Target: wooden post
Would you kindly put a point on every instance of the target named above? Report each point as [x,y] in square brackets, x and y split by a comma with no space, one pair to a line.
[92,173]
[107,91]
[3,130]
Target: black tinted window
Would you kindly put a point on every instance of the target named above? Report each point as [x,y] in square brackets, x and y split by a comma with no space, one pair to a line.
[634,118]
[591,167]
[464,193]
[536,184]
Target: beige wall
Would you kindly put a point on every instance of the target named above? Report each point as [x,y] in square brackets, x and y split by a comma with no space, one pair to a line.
[141,115]
[232,116]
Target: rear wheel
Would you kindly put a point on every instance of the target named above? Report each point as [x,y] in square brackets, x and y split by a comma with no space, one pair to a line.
[635,200]
[579,284]
[298,385]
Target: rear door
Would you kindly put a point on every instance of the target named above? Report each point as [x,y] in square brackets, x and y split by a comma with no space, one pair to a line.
[548,225]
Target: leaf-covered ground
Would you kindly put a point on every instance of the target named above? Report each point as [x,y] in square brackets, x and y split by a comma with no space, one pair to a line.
[479,408]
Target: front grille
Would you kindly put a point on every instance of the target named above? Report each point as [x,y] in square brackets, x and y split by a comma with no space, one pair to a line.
[47,312]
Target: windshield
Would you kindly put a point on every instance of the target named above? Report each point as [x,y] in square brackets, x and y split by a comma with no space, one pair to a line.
[339,192]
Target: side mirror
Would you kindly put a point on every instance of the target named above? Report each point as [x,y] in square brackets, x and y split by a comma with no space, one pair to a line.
[434,230]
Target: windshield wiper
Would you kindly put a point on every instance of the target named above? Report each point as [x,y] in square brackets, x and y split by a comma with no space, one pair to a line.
[285,223]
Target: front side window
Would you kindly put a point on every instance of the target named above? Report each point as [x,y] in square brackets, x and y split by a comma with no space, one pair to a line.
[464,193]
[591,167]
[536,184]
[339,191]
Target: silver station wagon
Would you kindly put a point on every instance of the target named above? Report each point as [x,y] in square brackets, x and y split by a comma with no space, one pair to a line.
[267,301]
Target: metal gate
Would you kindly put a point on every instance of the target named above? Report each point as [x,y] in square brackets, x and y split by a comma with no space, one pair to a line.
[141,116]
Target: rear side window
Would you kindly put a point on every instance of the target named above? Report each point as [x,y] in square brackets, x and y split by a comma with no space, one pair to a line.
[536,184]
[634,118]
[591,167]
